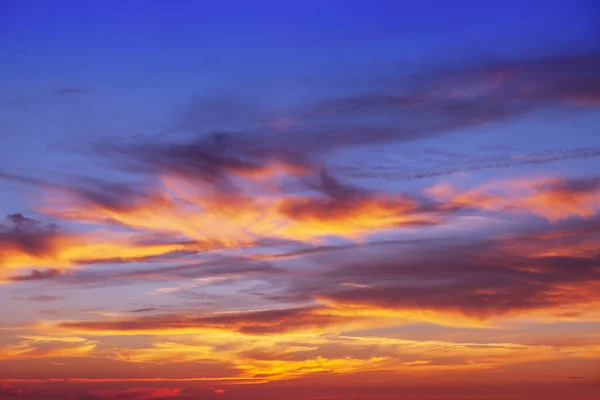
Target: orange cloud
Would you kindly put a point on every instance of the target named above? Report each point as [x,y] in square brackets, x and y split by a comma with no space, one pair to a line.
[48,347]
[293,355]
[233,220]
[551,198]
[561,198]
[262,322]
[63,251]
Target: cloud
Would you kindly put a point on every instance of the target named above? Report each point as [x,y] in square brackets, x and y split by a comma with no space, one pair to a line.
[186,223]
[214,159]
[35,275]
[24,240]
[251,322]
[224,267]
[477,164]
[319,206]
[41,298]
[137,393]
[234,188]
[48,347]
[43,250]
[36,392]
[110,196]
[551,198]
[480,280]
[68,91]
[253,181]
[343,209]
[144,310]
[408,109]
[561,198]
[282,357]
[445,101]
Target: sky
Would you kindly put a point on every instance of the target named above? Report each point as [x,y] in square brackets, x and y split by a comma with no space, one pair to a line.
[362,200]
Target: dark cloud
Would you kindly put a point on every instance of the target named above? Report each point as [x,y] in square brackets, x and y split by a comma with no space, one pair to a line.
[224,266]
[118,197]
[25,235]
[447,100]
[60,392]
[41,298]
[232,267]
[251,322]
[144,310]
[476,164]
[40,242]
[214,159]
[36,275]
[338,201]
[477,278]
[572,187]
[136,393]
[423,106]
[22,179]
[331,187]
[102,193]
[572,79]
[480,279]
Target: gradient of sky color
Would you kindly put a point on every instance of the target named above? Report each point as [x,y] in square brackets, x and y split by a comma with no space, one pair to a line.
[299,200]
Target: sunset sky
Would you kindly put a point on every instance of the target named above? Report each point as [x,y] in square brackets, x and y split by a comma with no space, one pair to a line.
[299,200]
